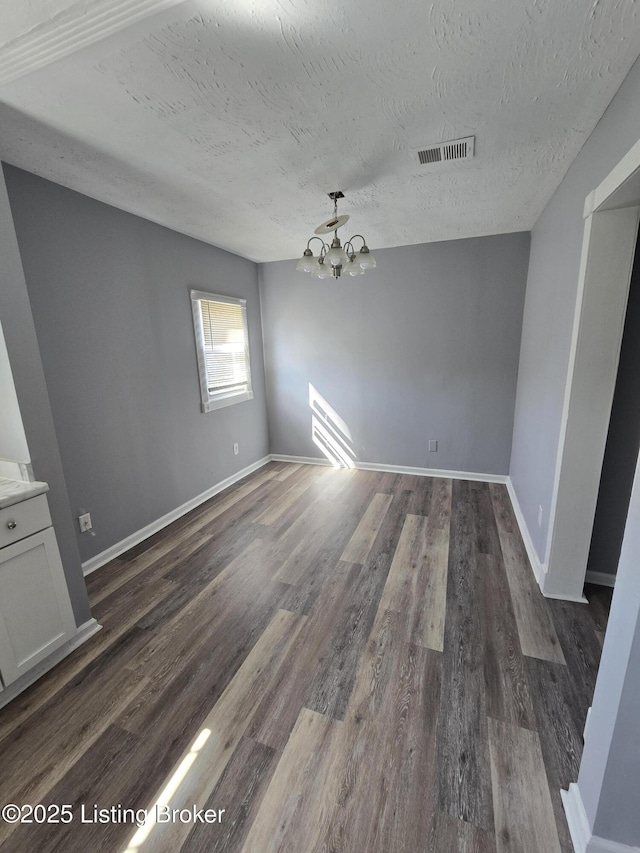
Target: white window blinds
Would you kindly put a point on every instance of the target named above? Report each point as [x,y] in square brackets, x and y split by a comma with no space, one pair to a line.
[223,350]
[223,334]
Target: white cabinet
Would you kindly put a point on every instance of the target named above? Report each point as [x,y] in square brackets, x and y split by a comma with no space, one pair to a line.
[35,611]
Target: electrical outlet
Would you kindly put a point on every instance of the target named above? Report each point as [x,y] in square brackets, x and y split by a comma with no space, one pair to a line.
[236,449]
[84,521]
[433,445]
[540,516]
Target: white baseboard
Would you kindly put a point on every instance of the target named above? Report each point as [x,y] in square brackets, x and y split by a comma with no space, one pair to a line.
[581,836]
[140,535]
[578,599]
[82,634]
[601,578]
[399,469]
[576,818]
[536,565]
[300,460]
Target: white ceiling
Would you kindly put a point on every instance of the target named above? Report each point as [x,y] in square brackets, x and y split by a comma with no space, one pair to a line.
[230,120]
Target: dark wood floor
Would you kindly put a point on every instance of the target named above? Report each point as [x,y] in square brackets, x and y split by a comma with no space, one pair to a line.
[342,660]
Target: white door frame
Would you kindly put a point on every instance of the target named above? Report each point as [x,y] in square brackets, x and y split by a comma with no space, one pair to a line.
[610,231]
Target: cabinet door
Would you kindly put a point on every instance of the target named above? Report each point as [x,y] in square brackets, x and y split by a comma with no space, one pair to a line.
[35,611]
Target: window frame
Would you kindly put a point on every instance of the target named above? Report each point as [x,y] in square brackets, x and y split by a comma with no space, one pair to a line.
[210,402]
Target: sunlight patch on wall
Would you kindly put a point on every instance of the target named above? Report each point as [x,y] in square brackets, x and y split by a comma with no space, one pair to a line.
[330,433]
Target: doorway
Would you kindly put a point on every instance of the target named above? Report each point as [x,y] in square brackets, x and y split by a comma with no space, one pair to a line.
[622,447]
[609,243]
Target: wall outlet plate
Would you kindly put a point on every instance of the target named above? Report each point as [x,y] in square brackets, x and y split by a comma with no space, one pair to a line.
[236,449]
[433,445]
[84,521]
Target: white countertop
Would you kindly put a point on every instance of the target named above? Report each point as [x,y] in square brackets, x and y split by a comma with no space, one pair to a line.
[15,491]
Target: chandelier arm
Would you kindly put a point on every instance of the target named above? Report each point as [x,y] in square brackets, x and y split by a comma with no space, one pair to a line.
[317,238]
[364,242]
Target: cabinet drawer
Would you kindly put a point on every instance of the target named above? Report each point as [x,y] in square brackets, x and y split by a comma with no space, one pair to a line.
[23,519]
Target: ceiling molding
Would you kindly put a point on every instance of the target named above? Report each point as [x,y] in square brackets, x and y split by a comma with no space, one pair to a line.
[76,28]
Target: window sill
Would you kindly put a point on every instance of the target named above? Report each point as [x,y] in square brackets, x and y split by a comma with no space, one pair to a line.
[229,400]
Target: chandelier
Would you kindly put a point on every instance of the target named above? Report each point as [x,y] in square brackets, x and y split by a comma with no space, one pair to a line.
[333,260]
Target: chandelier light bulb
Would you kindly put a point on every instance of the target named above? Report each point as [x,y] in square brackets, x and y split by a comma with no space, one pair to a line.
[336,256]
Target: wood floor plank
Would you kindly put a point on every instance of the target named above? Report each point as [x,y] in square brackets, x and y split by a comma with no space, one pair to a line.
[335,677]
[67,727]
[464,786]
[359,545]
[301,597]
[417,581]
[347,765]
[328,520]
[322,483]
[505,517]
[574,627]
[288,815]
[505,675]
[427,618]
[329,691]
[408,731]
[421,489]
[409,482]
[440,500]
[383,798]
[277,508]
[410,551]
[231,592]
[538,636]
[524,818]
[287,471]
[554,701]
[488,539]
[448,834]
[240,791]
[430,595]
[110,749]
[223,728]
[275,717]
[191,671]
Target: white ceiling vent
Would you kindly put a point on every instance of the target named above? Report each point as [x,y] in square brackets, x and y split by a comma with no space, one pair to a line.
[455,149]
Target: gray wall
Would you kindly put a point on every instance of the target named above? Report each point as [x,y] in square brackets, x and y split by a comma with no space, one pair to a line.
[110,299]
[31,390]
[623,443]
[13,441]
[556,244]
[424,347]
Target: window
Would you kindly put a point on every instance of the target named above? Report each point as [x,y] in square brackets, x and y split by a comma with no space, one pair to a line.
[222,345]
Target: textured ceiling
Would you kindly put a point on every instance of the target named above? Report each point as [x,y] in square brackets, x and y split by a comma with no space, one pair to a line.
[231,119]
